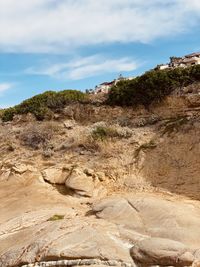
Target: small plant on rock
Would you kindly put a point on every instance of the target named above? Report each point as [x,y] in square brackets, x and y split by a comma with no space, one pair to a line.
[56,217]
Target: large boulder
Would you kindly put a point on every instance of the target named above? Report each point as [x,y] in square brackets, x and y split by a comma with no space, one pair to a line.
[55,174]
[81,183]
[119,211]
[154,216]
[63,239]
[162,252]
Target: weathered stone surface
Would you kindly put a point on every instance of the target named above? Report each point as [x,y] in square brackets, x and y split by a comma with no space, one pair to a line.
[51,225]
[193,100]
[20,168]
[153,216]
[55,175]
[73,239]
[80,183]
[70,124]
[81,262]
[163,252]
[118,210]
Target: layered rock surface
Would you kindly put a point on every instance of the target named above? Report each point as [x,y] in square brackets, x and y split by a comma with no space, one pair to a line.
[131,200]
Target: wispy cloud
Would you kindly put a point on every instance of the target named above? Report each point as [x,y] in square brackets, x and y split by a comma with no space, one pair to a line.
[59,26]
[5,87]
[86,67]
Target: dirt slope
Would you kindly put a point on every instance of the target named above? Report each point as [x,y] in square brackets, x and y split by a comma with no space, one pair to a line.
[102,186]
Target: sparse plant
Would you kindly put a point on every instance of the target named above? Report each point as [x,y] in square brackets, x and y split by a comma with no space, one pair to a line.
[148,145]
[100,133]
[38,135]
[114,131]
[56,217]
[174,124]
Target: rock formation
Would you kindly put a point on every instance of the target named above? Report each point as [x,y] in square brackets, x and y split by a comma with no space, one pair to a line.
[127,195]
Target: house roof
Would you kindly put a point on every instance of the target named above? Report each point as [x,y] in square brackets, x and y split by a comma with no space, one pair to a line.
[186,60]
[193,55]
[107,83]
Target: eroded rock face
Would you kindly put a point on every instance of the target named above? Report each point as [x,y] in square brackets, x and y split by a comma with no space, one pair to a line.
[148,229]
[163,252]
[153,216]
[84,183]
[64,239]
[193,100]
[56,174]
[70,124]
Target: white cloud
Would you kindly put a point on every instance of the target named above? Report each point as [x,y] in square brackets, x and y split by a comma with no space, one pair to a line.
[5,86]
[86,67]
[59,26]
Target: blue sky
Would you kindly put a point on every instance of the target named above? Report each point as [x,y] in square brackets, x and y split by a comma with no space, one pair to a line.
[77,44]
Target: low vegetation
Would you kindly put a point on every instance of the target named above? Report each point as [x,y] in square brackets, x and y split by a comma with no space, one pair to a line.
[149,145]
[152,86]
[43,105]
[56,217]
[38,136]
[103,132]
[174,125]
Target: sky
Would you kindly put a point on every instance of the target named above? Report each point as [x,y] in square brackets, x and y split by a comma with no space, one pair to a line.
[77,44]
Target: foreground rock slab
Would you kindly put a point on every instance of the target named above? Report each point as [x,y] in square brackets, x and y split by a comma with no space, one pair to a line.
[153,215]
[81,262]
[163,252]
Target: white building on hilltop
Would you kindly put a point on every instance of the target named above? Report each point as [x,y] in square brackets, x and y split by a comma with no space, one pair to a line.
[186,61]
[106,86]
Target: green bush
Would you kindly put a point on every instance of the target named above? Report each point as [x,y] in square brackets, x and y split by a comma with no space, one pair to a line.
[42,105]
[100,133]
[105,132]
[152,86]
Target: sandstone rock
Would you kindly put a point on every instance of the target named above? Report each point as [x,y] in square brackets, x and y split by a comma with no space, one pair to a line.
[70,124]
[119,211]
[64,239]
[81,262]
[99,191]
[55,175]
[80,183]
[20,168]
[89,172]
[153,216]
[4,175]
[193,100]
[101,176]
[162,252]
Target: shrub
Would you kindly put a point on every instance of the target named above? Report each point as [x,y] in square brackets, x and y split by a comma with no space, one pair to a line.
[42,105]
[152,86]
[104,132]
[37,136]
[100,133]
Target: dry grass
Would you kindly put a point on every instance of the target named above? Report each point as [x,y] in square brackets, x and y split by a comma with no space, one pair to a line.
[37,136]
[102,131]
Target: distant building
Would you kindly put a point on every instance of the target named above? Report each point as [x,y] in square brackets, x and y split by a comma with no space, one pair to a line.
[186,61]
[106,86]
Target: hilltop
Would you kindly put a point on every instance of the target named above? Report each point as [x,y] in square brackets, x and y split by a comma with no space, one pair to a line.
[103,180]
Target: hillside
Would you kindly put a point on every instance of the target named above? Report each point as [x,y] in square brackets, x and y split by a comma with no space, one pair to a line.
[97,184]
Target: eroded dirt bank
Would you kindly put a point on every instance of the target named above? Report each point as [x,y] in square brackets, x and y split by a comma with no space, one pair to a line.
[102,185]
